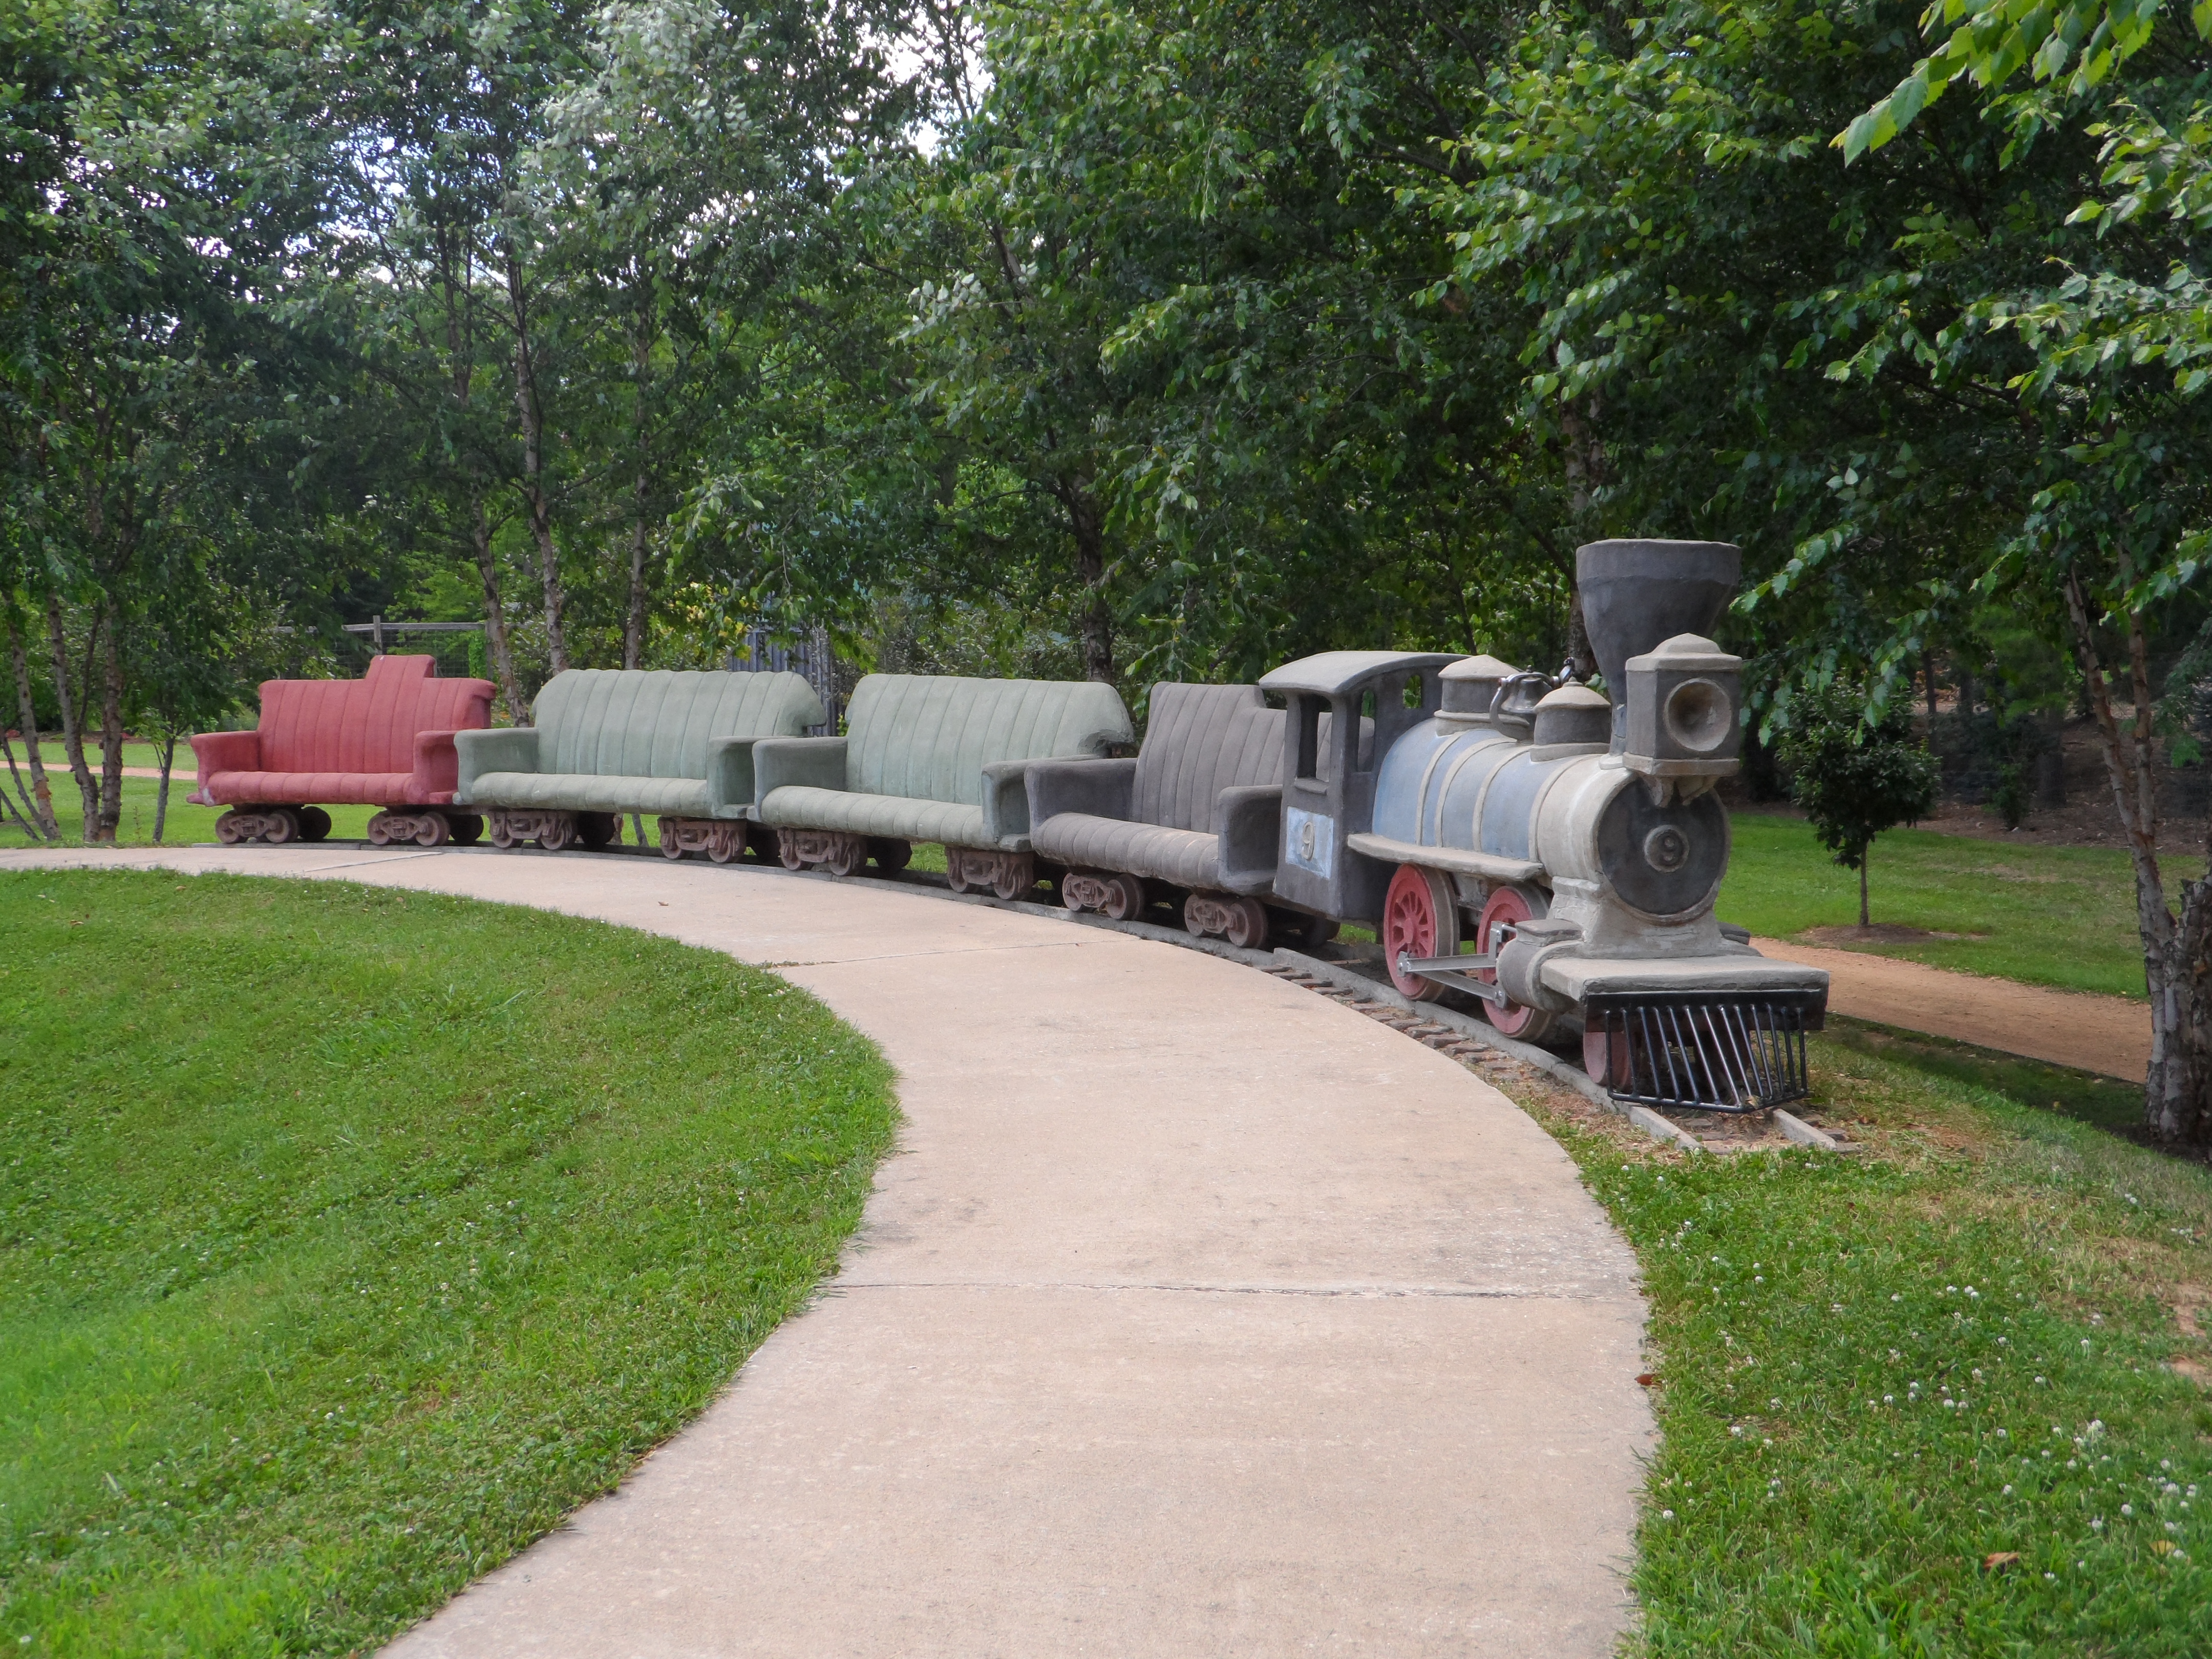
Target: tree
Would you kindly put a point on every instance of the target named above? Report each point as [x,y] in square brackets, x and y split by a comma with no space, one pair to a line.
[1856,778]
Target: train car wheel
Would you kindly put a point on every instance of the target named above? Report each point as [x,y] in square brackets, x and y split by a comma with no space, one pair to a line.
[502,834]
[1007,883]
[1248,925]
[433,830]
[1420,918]
[468,828]
[1508,906]
[1125,897]
[227,830]
[1606,1055]
[891,855]
[786,850]
[555,832]
[848,856]
[597,830]
[281,826]
[314,823]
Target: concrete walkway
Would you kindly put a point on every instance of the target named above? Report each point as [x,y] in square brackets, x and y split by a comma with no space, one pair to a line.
[1195,1315]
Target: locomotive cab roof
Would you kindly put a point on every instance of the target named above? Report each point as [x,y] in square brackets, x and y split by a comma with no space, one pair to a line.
[1334,673]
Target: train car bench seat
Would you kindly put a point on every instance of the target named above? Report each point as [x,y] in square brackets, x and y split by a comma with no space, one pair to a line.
[932,757]
[384,740]
[676,743]
[1198,809]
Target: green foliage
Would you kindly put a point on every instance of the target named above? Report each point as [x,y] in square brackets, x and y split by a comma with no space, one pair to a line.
[1855,777]
[335,1271]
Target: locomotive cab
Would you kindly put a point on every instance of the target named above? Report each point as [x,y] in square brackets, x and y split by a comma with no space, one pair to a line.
[1346,710]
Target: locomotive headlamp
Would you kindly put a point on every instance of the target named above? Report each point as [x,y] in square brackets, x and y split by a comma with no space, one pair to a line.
[1683,703]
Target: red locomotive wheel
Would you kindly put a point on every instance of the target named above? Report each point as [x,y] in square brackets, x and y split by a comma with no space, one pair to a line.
[1507,906]
[1420,918]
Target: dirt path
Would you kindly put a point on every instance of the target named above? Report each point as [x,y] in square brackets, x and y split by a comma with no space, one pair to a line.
[2110,1036]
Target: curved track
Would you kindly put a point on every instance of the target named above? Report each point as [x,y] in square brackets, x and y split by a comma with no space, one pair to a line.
[1194,1314]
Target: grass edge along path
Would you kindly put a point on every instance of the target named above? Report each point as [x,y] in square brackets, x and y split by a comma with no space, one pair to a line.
[1934,1400]
[2060,916]
[350,1237]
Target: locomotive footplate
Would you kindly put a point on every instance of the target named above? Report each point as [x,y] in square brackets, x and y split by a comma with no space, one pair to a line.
[1731,1051]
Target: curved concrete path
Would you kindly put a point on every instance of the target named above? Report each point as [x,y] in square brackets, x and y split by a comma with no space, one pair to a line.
[1194,1314]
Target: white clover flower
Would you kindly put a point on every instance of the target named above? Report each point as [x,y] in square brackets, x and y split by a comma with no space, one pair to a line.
[1896,1298]
[2007,1492]
[2097,1525]
[1666,1515]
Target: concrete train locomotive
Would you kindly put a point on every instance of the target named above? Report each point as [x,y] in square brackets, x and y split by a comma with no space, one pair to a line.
[1553,852]
[1547,854]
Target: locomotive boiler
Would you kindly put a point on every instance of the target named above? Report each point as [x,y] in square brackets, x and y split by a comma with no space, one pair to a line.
[1552,851]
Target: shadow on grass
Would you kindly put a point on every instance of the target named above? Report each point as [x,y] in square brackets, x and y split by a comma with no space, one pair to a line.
[2105,1101]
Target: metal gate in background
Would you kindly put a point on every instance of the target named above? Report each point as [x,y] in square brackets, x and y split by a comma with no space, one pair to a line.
[810,657]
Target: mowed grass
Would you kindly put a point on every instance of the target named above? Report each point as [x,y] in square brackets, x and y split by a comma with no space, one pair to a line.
[349,1238]
[185,824]
[2062,916]
[1923,1401]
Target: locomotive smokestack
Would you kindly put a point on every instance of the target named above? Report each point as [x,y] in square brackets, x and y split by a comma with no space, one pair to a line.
[1638,594]
[1635,593]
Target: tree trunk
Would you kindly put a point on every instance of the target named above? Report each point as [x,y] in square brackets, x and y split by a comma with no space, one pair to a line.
[1094,624]
[72,729]
[1864,857]
[1587,471]
[634,623]
[41,801]
[161,795]
[2177,1097]
[501,653]
[111,725]
[539,505]
[1581,661]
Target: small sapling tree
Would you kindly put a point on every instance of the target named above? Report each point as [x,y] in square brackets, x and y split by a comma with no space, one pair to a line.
[1854,779]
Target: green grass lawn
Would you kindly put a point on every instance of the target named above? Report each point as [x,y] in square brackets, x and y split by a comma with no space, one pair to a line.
[349,1238]
[2063,916]
[185,825]
[1919,1402]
